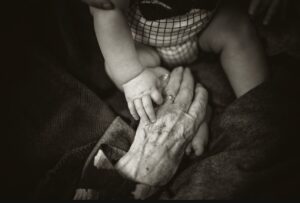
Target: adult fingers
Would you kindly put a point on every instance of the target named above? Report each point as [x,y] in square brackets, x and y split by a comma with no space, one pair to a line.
[271,11]
[200,140]
[140,110]
[186,91]
[100,4]
[147,103]
[132,110]
[198,108]
[173,85]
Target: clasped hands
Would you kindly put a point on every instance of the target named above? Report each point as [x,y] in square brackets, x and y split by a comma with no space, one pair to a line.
[158,148]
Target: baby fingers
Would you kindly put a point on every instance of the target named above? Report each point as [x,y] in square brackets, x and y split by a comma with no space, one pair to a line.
[132,110]
[147,103]
[138,103]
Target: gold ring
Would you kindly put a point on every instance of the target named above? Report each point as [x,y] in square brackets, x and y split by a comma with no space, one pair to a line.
[170,97]
[165,76]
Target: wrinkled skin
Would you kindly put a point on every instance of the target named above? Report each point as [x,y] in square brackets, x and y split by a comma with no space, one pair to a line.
[158,147]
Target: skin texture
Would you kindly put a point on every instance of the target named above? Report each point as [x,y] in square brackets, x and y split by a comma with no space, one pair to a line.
[121,58]
[230,34]
[140,92]
[158,148]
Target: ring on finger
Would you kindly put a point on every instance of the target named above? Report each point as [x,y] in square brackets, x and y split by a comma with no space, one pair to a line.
[171,98]
[165,76]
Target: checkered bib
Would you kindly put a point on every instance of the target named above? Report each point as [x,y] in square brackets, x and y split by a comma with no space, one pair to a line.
[174,38]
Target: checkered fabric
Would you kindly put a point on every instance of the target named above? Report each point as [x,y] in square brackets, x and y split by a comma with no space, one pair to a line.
[175,38]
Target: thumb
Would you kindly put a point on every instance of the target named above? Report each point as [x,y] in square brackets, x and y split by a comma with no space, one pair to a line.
[156,96]
[163,76]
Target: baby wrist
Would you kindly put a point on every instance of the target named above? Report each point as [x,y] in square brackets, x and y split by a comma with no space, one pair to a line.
[133,76]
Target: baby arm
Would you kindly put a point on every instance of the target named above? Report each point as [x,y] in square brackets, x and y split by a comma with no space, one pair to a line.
[116,43]
[122,63]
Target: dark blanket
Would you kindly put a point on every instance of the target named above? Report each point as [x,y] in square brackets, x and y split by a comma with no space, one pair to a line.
[61,102]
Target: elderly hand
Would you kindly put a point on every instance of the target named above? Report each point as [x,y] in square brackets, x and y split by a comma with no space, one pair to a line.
[266,8]
[158,148]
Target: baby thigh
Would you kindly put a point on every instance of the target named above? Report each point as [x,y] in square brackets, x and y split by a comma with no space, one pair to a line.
[230,27]
[148,56]
[232,35]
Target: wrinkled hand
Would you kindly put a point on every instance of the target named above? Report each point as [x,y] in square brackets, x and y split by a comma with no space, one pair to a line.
[158,148]
[142,90]
[266,8]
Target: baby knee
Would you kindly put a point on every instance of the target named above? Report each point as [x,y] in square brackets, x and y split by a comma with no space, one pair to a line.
[230,27]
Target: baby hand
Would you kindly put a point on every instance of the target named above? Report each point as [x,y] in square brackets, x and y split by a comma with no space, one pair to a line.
[139,93]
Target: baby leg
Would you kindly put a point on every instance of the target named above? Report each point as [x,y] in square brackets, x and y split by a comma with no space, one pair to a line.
[232,35]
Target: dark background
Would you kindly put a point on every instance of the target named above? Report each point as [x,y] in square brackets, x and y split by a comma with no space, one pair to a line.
[60,33]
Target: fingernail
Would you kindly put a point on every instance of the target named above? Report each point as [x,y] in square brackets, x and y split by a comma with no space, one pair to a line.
[107,6]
